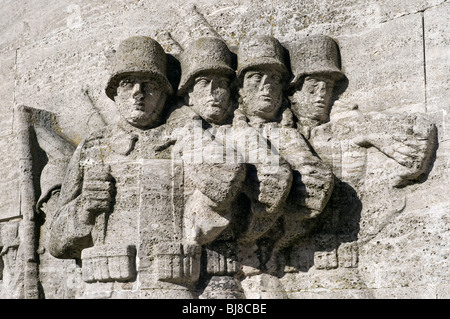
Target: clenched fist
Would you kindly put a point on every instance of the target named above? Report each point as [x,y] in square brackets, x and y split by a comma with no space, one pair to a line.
[97,189]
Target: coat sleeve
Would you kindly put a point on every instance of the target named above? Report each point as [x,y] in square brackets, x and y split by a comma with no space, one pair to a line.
[312,178]
[70,230]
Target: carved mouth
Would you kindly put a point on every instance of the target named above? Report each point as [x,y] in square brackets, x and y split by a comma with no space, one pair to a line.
[213,104]
[266,98]
[320,104]
[139,105]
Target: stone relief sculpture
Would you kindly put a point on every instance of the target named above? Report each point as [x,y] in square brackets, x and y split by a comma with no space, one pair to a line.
[207,75]
[123,199]
[12,262]
[263,77]
[315,67]
[343,140]
[220,195]
[43,156]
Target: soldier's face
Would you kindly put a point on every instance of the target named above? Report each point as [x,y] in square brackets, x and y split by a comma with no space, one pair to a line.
[210,97]
[313,99]
[262,93]
[140,101]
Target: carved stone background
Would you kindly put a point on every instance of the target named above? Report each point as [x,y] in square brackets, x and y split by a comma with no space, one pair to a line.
[396,57]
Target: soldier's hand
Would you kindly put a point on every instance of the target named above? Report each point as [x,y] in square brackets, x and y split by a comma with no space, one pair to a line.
[97,189]
[273,186]
[221,183]
[408,140]
[408,150]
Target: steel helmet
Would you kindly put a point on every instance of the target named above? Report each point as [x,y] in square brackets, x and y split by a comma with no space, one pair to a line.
[138,55]
[205,54]
[314,55]
[261,51]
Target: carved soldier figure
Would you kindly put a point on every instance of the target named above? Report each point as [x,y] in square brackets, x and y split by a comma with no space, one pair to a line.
[205,85]
[408,140]
[263,76]
[315,69]
[342,140]
[207,74]
[124,199]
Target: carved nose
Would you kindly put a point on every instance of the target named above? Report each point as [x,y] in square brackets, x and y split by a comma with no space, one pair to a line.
[322,89]
[211,87]
[214,90]
[137,88]
[266,86]
[267,89]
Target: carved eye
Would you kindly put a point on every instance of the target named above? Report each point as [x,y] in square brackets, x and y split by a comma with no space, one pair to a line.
[330,84]
[125,83]
[202,82]
[149,87]
[254,76]
[224,83]
[276,78]
[310,86]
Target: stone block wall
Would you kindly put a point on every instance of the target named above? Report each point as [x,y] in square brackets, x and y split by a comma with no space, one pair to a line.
[55,56]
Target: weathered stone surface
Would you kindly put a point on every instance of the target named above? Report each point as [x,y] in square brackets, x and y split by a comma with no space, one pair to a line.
[7,89]
[77,97]
[437,59]
[402,38]
[322,187]
[10,180]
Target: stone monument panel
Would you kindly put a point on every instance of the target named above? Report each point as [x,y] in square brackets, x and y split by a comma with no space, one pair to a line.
[224,151]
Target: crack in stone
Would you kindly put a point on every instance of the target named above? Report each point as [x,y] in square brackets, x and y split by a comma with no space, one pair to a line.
[424,62]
